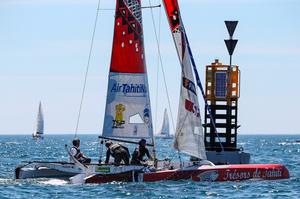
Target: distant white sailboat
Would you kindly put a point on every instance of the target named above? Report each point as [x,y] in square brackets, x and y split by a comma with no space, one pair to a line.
[165,129]
[39,131]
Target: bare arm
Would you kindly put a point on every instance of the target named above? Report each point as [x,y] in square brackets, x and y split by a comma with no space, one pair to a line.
[148,154]
[107,156]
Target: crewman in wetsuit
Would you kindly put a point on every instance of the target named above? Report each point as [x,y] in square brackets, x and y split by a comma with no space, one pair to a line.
[75,152]
[118,152]
[139,153]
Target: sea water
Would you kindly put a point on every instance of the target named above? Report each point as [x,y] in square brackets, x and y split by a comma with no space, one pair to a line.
[282,149]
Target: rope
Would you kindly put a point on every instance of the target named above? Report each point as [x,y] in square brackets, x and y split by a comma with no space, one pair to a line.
[142,7]
[161,64]
[87,67]
[157,71]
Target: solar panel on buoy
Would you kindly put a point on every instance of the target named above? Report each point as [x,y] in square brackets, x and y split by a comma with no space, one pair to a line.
[221,82]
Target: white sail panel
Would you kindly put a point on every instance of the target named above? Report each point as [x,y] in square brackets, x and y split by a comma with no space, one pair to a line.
[189,136]
[128,112]
[165,129]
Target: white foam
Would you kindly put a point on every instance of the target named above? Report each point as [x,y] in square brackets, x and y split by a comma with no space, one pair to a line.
[55,182]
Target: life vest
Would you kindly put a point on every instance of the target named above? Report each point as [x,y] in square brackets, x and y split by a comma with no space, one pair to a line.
[78,155]
[114,147]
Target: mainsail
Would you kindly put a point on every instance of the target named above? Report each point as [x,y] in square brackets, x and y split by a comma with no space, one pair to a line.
[165,129]
[128,111]
[39,123]
[189,136]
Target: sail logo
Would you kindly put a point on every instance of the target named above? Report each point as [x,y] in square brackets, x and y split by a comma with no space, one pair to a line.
[119,121]
[146,115]
[129,89]
[189,85]
[192,107]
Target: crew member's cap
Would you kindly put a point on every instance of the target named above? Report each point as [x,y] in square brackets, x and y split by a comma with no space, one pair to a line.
[76,141]
[142,142]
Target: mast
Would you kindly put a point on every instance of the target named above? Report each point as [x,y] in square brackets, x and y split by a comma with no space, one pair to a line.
[128,112]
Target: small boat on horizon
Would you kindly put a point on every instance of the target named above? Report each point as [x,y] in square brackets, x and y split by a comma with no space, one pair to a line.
[39,129]
[165,128]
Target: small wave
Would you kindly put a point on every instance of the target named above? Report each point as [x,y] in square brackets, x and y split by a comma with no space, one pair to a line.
[284,143]
[55,182]
[288,143]
[15,143]
[4,181]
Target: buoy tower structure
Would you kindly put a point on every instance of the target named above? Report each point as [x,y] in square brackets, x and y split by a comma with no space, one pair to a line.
[222,89]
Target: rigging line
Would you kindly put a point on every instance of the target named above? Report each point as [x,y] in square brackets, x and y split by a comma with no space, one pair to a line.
[87,67]
[142,7]
[201,88]
[161,65]
[157,71]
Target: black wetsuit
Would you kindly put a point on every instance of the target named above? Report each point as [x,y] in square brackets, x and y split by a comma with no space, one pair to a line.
[119,153]
[138,155]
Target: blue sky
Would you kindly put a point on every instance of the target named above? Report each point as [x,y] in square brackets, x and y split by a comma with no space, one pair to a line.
[44,49]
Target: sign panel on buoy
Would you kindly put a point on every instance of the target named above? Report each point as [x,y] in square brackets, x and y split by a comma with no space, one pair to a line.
[230,44]
[231,25]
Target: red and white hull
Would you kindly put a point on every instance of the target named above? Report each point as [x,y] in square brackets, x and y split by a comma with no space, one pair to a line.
[199,173]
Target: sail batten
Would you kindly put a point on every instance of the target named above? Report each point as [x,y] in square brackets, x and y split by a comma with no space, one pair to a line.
[128,111]
[189,136]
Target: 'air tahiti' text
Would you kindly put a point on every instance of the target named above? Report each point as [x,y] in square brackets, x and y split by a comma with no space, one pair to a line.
[129,88]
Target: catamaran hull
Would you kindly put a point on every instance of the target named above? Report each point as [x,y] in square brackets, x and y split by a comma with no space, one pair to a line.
[202,173]
[42,173]
[47,170]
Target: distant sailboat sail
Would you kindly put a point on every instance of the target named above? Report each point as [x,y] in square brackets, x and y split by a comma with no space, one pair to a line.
[165,129]
[189,136]
[128,112]
[39,131]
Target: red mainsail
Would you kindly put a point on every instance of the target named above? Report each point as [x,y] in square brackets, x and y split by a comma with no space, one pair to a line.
[172,10]
[128,44]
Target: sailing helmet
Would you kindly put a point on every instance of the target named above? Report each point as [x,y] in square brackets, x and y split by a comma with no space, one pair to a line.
[76,141]
[142,142]
[108,143]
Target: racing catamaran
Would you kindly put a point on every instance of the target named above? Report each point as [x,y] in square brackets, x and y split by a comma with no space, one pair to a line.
[128,115]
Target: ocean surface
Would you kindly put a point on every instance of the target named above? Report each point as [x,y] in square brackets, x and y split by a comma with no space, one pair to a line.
[264,149]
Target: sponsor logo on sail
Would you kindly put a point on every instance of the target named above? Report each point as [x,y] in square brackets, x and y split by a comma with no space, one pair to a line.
[189,85]
[192,107]
[129,88]
[146,115]
[119,121]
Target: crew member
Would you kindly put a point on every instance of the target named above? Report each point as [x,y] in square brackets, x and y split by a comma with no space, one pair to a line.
[139,153]
[118,152]
[75,152]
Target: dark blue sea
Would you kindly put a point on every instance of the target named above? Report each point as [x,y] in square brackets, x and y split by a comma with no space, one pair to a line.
[264,149]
